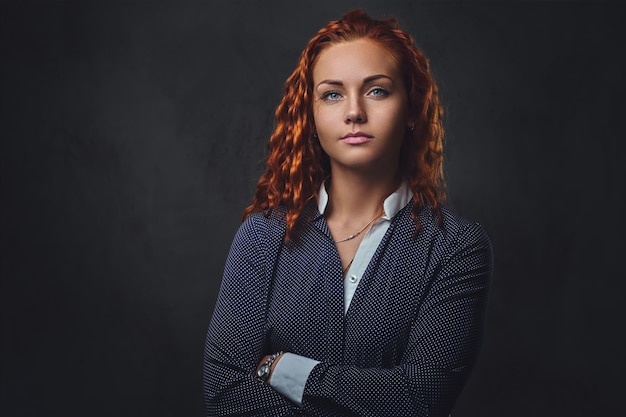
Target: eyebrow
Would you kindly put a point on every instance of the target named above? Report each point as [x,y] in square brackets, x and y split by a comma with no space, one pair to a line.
[365,80]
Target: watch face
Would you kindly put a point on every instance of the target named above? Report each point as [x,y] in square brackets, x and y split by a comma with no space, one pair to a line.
[263,371]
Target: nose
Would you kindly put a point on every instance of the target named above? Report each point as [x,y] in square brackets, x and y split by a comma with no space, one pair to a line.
[355,113]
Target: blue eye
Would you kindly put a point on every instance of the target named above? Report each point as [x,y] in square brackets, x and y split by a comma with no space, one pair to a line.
[331,96]
[378,92]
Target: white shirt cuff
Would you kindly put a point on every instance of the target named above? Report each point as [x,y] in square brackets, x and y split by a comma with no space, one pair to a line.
[290,375]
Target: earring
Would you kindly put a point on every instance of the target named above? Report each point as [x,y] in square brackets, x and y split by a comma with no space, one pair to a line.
[411,126]
[315,135]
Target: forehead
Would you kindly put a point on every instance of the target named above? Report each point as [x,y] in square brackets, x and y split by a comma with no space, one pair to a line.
[354,59]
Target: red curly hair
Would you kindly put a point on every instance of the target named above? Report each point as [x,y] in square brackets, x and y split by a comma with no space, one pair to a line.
[297,165]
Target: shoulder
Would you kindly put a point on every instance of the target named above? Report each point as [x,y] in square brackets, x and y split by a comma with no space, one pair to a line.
[256,242]
[260,231]
[456,226]
[452,232]
[466,241]
[261,222]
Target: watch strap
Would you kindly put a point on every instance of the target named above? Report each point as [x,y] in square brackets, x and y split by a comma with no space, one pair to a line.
[265,369]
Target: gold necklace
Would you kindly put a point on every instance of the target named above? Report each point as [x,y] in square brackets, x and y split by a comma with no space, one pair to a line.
[359,232]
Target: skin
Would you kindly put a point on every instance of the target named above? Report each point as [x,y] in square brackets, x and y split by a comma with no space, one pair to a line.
[358,87]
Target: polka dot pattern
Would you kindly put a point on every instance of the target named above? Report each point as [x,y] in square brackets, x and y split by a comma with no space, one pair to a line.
[405,346]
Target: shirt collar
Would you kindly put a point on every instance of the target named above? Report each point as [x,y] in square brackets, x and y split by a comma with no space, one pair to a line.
[392,204]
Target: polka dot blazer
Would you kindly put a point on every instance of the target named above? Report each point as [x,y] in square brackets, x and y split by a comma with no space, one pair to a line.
[404,347]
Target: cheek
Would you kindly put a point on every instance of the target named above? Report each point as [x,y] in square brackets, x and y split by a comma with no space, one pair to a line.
[322,121]
[400,118]
[319,121]
[391,119]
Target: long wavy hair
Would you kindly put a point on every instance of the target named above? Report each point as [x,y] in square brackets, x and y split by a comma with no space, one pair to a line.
[297,165]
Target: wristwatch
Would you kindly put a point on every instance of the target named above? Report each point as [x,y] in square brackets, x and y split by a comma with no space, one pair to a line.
[264,370]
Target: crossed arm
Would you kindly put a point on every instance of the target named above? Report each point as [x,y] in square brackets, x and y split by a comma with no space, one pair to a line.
[441,347]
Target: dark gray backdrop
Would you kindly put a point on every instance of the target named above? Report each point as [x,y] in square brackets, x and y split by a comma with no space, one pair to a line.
[132,138]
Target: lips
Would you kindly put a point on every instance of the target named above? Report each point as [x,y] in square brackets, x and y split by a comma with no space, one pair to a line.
[356,138]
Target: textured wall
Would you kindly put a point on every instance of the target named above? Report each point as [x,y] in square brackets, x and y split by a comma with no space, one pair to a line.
[132,135]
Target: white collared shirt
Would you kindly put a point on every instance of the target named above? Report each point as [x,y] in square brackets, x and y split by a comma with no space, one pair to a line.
[392,205]
[292,371]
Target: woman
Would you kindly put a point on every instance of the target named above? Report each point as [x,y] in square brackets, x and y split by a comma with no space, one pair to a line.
[349,288]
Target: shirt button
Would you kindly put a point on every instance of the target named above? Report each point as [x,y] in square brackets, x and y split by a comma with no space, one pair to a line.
[353,279]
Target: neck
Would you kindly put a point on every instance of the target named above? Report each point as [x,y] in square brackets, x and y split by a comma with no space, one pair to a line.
[355,198]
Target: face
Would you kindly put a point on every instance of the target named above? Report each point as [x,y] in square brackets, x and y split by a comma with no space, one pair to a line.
[360,106]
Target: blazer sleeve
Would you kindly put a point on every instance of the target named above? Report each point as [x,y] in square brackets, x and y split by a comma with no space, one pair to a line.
[442,346]
[236,332]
